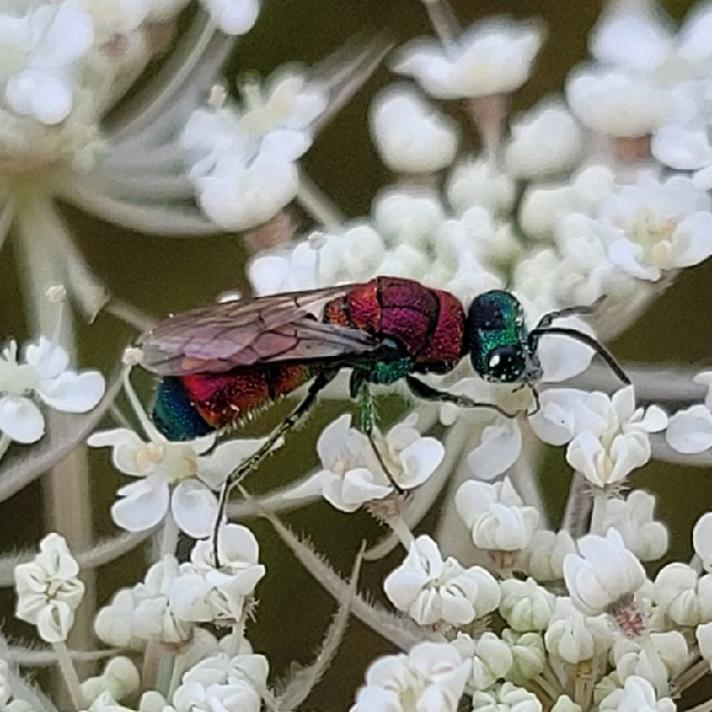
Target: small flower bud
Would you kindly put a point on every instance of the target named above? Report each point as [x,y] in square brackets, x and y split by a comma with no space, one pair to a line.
[525,605]
[528,655]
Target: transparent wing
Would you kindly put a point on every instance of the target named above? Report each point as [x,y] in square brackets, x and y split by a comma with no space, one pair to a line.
[220,337]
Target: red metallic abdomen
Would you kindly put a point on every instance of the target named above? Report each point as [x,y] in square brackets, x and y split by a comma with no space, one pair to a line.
[428,323]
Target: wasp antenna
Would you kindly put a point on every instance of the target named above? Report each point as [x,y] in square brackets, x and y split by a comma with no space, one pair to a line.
[597,346]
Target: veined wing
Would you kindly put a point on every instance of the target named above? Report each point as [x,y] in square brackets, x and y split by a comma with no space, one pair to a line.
[219,337]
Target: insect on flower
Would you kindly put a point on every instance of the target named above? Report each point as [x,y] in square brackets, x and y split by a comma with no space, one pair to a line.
[220,362]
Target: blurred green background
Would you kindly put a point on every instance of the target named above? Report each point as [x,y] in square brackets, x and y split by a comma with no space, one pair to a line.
[163,274]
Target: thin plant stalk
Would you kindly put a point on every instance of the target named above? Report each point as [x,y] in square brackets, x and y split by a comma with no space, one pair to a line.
[69,673]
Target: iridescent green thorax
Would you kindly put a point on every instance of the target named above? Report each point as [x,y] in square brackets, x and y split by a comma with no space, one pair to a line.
[385,372]
[498,339]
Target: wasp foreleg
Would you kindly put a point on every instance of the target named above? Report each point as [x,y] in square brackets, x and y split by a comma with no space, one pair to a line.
[548,319]
[426,392]
[246,466]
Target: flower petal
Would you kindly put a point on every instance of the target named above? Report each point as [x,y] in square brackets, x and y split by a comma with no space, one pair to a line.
[195,508]
[498,450]
[73,392]
[20,419]
[143,504]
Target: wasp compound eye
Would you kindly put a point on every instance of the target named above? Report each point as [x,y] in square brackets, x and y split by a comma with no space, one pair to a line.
[507,364]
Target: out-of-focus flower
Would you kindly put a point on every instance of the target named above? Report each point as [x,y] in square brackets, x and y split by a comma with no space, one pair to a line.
[175,476]
[703,633]
[506,698]
[433,590]
[685,149]
[702,540]
[479,183]
[142,614]
[546,140]
[492,57]
[495,515]
[638,695]
[566,704]
[603,573]
[44,373]
[690,430]
[221,682]
[353,476]
[49,590]
[528,655]
[203,593]
[411,135]
[431,676]
[234,17]
[633,518]
[119,679]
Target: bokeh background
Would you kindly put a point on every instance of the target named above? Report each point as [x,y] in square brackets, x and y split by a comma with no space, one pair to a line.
[165,274]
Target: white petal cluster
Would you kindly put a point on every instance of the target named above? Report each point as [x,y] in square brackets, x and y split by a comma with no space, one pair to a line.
[431,676]
[506,697]
[545,141]
[222,682]
[525,605]
[493,57]
[573,636]
[175,477]
[432,590]
[606,452]
[491,658]
[603,573]
[119,679]
[684,596]
[637,695]
[351,474]
[43,374]
[543,559]
[495,515]
[49,590]
[411,135]
[143,614]
[242,159]
[479,183]
[528,655]
[202,593]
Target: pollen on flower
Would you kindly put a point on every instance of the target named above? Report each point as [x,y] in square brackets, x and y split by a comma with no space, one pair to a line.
[631,621]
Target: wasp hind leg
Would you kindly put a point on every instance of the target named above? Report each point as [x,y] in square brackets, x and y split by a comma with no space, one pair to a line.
[249,464]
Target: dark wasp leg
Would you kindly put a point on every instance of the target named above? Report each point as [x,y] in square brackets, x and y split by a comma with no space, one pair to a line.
[599,348]
[368,422]
[548,319]
[253,460]
[426,392]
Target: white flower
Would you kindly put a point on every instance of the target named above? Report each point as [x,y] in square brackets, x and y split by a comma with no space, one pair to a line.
[608,452]
[620,104]
[633,518]
[638,695]
[528,655]
[413,217]
[495,515]
[566,704]
[179,476]
[690,430]
[105,702]
[702,540]
[476,182]
[664,658]
[545,140]
[233,17]
[202,593]
[491,658]
[431,677]
[543,559]
[682,595]
[655,226]
[525,605]
[44,373]
[221,682]
[575,637]
[353,476]
[431,590]
[141,614]
[506,698]
[703,633]
[603,573]
[492,57]
[120,679]
[49,590]
[687,149]
[39,51]
[410,134]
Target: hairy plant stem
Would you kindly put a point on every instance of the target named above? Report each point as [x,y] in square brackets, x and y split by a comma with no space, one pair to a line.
[598,515]
[578,506]
[69,673]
